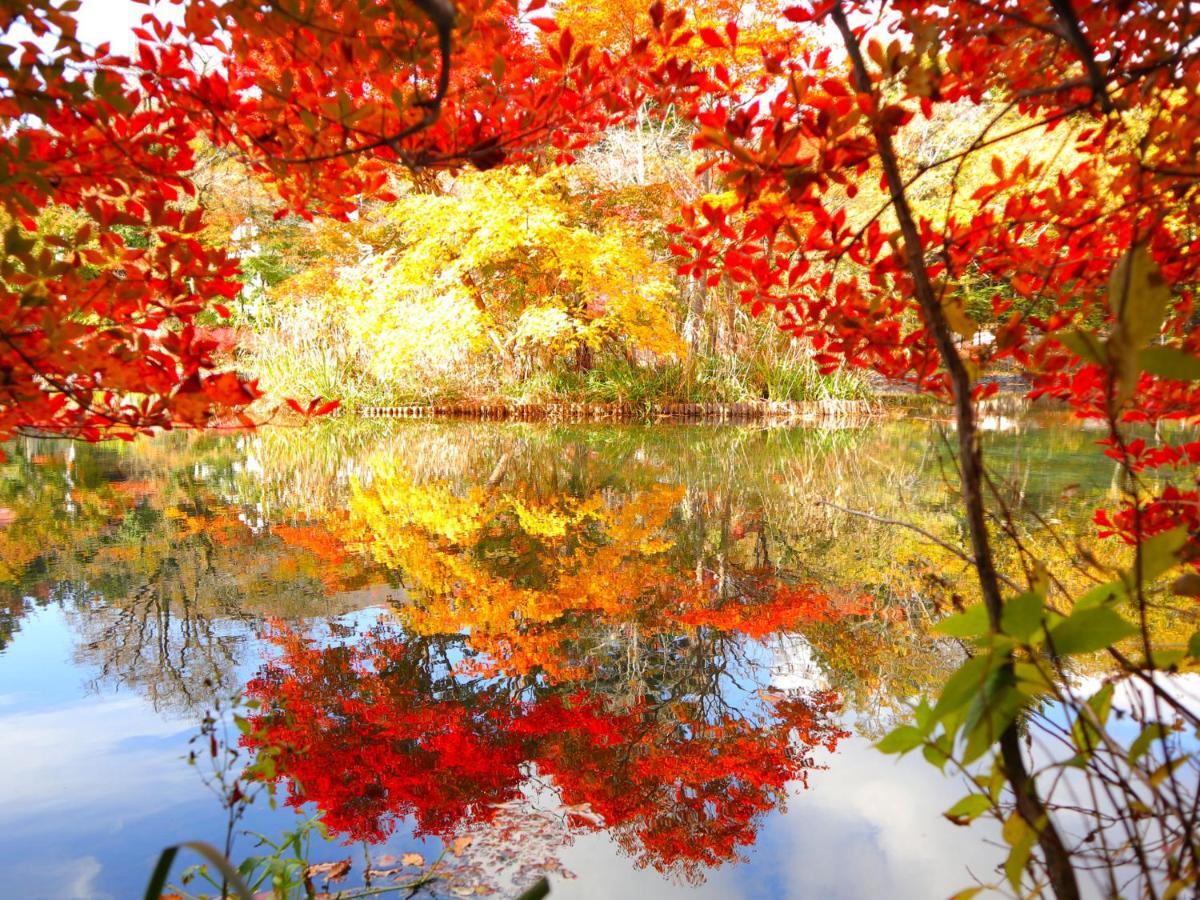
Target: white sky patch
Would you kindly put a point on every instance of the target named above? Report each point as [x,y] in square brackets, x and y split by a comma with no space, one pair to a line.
[112,21]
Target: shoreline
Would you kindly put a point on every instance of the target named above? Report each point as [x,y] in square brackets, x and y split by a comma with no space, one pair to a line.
[762,411]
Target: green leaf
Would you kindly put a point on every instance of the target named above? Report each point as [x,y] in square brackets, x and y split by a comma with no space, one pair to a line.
[1161,553]
[540,889]
[1167,362]
[901,740]
[962,686]
[992,710]
[968,808]
[1159,775]
[1139,297]
[1101,594]
[1194,646]
[970,623]
[1022,615]
[1084,735]
[1155,731]
[1086,346]
[937,753]
[1020,838]
[158,879]
[1088,630]
[1032,678]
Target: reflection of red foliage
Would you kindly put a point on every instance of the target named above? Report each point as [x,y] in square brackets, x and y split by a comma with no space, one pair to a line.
[360,735]
[788,606]
[338,566]
[686,795]
[370,736]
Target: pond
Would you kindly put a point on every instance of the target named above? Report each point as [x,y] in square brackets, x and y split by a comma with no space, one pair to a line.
[643,660]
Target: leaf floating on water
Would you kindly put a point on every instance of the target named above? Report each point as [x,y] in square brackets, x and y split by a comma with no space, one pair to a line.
[459,845]
[331,871]
[412,859]
[395,873]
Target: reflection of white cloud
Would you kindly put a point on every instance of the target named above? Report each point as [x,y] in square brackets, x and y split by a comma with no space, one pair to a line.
[872,826]
[794,665]
[998,423]
[72,879]
[83,760]
[868,827]
[81,874]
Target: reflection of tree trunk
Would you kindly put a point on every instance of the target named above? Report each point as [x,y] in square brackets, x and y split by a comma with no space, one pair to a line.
[499,471]
[762,551]
[639,144]
[726,521]
[731,332]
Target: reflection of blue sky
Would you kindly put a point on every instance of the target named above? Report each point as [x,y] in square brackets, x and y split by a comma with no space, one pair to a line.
[867,827]
[95,786]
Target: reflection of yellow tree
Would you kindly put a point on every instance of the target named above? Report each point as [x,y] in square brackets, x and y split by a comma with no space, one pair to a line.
[506,565]
[161,571]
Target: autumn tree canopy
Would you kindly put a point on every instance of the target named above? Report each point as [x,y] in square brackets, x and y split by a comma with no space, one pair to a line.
[1082,262]
[103,316]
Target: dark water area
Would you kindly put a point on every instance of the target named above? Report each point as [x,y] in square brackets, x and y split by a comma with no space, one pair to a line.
[638,660]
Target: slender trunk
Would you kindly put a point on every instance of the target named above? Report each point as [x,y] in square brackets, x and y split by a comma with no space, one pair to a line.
[970,456]
[583,358]
[693,326]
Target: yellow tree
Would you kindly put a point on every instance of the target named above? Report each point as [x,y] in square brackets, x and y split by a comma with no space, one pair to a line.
[511,262]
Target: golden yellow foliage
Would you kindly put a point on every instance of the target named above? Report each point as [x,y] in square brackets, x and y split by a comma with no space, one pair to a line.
[506,258]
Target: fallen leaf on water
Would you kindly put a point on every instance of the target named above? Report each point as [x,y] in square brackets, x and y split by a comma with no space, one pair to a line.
[412,859]
[333,871]
[461,844]
[386,860]
[384,873]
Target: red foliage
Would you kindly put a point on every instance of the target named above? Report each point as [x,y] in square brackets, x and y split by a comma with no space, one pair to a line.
[98,332]
[1112,83]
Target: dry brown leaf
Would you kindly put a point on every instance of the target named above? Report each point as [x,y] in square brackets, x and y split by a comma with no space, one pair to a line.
[384,873]
[332,871]
[461,844]
[412,859]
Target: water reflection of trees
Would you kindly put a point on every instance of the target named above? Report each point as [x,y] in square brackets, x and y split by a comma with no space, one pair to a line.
[604,620]
[657,626]
[165,571]
[385,729]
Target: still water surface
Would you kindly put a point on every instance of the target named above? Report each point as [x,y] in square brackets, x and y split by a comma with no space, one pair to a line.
[642,661]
